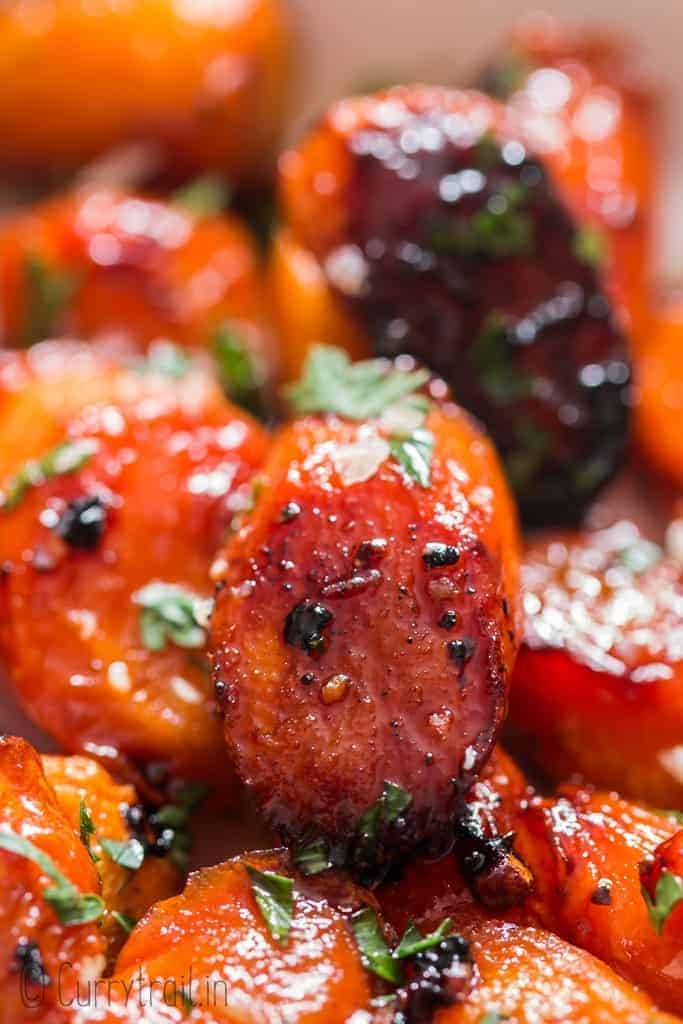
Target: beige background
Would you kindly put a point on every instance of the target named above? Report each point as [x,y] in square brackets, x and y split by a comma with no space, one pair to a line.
[353,43]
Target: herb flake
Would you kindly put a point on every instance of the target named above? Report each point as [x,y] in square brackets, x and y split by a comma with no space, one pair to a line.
[413,941]
[70,906]
[358,391]
[668,894]
[127,853]
[375,953]
[67,457]
[170,613]
[274,895]
[48,290]
[205,196]
[311,856]
[86,829]
[238,370]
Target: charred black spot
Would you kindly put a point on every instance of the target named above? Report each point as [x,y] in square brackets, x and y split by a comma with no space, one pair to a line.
[290,511]
[436,555]
[449,619]
[602,894]
[307,678]
[371,552]
[436,978]
[304,626]
[460,651]
[83,522]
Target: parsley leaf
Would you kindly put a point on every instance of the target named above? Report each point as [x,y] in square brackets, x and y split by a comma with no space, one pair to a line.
[668,893]
[176,816]
[86,829]
[171,613]
[311,856]
[502,228]
[48,291]
[238,370]
[589,245]
[205,196]
[70,906]
[413,941]
[67,457]
[124,921]
[493,1017]
[491,358]
[332,383]
[375,953]
[274,895]
[414,454]
[127,853]
[384,812]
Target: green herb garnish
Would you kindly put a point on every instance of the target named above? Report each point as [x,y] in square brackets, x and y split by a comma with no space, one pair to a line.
[589,246]
[68,457]
[491,358]
[70,906]
[127,853]
[383,813]
[375,953]
[124,921]
[206,196]
[502,228]
[48,291]
[86,829]
[414,454]
[238,371]
[311,856]
[506,76]
[176,816]
[668,893]
[274,895]
[171,614]
[493,1017]
[523,462]
[359,391]
[413,941]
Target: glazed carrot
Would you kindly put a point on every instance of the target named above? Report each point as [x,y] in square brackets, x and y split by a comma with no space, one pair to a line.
[659,379]
[204,86]
[50,904]
[118,484]
[364,627]
[101,809]
[522,973]
[597,861]
[438,230]
[102,262]
[597,686]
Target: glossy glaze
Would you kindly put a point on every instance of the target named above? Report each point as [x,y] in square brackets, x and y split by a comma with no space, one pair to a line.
[76,780]
[442,233]
[29,807]
[421,702]
[586,850]
[172,465]
[659,377]
[202,85]
[597,685]
[132,266]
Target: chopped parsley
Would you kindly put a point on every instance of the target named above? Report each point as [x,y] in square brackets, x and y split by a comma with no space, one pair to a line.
[205,196]
[374,951]
[493,1017]
[238,370]
[491,358]
[274,895]
[171,614]
[589,246]
[358,391]
[48,291]
[332,383]
[311,856]
[67,457]
[376,954]
[70,906]
[384,812]
[127,853]
[124,921]
[503,228]
[86,829]
[668,894]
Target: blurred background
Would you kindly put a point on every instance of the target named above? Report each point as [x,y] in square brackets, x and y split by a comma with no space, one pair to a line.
[358,44]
